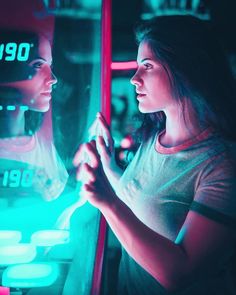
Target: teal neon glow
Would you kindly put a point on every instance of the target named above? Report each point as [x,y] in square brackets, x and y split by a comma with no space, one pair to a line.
[11,108]
[24,108]
[30,275]
[20,253]
[13,51]
[9,237]
[50,237]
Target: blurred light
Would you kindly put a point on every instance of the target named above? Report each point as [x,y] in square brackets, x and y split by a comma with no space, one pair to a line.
[126,142]
[11,108]
[181,7]
[50,237]
[90,4]
[124,65]
[9,237]
[24,108]
[20,253]
[4,291]
[122,155]
[30,275]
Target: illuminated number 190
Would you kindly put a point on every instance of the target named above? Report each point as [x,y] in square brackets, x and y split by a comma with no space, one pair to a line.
[14,178]
[15,51]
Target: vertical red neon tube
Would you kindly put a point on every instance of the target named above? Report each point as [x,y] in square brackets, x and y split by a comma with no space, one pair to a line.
[106,110]
[106,60]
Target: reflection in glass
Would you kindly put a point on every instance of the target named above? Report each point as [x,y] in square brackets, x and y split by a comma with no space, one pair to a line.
[39,197]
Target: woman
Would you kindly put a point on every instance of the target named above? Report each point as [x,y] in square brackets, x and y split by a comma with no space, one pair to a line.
[174,207]
[30,165]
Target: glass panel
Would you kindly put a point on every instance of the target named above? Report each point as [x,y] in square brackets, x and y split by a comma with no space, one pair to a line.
[45,223]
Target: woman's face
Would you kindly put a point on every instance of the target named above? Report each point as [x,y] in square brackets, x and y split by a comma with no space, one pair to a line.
[152,82]
[35,92]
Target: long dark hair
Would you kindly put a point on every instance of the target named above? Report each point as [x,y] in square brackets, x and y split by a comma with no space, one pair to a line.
[198,71]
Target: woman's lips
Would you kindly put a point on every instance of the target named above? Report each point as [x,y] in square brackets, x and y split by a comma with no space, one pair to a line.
[46,93]
[140,95]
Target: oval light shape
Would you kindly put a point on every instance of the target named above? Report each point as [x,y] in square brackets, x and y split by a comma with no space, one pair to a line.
[30,275]
[19,253]
[9,237]
[50,237]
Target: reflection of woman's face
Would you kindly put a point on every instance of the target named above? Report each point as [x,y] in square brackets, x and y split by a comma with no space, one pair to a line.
[36,91]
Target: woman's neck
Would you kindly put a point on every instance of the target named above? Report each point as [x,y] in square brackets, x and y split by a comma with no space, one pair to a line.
[179,129]
[12,124]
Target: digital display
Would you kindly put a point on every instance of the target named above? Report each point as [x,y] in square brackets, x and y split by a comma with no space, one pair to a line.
[17,178]
[12,51]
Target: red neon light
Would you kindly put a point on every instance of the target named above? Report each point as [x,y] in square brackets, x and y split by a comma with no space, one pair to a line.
[106,60]
[124,65]
[106,110]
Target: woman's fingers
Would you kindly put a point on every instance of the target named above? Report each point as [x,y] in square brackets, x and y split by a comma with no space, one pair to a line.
[87,153]
[85,173]
[101,128]
[102,148]
[105,131]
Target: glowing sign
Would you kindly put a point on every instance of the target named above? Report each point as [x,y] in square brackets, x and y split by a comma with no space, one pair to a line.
[13,51]
[30,275]
[17,178]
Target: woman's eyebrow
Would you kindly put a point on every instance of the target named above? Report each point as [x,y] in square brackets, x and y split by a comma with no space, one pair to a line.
[147,58]
[39,57]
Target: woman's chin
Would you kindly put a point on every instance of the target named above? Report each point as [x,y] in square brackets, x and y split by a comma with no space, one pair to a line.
[144,110]
[40,109]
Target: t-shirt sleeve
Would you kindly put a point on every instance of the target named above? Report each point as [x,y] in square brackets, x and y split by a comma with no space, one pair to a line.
[215,195]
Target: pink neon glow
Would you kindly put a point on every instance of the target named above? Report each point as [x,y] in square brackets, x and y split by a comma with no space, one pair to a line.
[106,61]
[106,110]
[126,142]
[124,65]
[4,291]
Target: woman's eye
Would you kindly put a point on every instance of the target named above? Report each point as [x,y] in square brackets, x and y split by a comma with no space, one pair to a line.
[37,65]
[148,66]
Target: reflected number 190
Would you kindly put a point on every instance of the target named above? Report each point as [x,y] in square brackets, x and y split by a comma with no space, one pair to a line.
[16,178]
[13,51]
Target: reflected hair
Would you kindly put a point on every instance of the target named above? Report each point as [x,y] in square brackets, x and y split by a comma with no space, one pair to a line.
[198,71]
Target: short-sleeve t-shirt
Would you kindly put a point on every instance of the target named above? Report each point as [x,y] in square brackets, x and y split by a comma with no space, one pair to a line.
[162,184]
[30,165]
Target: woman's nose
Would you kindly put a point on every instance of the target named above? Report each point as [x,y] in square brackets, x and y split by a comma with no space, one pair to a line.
[135,80]
[53,79]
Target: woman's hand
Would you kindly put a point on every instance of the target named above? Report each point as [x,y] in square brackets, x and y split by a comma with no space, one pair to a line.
[95,185]
[105,147]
